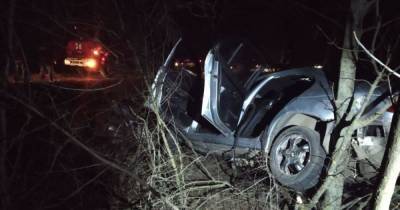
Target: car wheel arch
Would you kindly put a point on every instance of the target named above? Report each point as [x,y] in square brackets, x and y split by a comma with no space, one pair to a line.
[280,124]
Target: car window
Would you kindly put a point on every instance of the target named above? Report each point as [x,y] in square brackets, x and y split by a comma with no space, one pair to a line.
[238,59]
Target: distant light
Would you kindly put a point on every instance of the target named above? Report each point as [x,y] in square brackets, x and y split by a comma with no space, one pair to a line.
[176,64]
[318,66]
[67,62]
[96,52]
[270,69]
[91,63]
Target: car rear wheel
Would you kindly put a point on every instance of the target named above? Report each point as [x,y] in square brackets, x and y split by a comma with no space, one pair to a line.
[297,158]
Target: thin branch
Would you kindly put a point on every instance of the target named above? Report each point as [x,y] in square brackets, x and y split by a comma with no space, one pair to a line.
[373,57]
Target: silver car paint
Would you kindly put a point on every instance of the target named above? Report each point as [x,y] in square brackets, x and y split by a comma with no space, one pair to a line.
[211,93]
[315,102]
[251,97]
[154,101]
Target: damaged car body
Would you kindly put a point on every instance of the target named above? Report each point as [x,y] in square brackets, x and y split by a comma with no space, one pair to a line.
[232,102]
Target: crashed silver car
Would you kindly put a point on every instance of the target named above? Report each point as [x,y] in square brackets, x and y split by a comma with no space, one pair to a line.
[233,103]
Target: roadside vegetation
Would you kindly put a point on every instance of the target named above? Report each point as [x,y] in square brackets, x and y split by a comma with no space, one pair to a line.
[95,146]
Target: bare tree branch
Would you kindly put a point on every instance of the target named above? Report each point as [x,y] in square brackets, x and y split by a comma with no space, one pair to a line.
[373,57]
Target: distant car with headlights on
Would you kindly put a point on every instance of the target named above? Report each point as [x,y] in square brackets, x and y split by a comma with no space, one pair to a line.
[88,55]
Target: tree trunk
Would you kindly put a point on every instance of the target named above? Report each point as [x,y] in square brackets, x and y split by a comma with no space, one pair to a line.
[388,183]
[347,74]
[333,194]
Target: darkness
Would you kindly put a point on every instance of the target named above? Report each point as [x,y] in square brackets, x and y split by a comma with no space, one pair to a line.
[139,33]
[294,33]
[278,28]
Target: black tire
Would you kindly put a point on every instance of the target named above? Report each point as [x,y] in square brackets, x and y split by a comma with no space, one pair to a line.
[297,158]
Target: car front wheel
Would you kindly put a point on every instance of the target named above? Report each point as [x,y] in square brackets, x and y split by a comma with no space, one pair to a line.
[297,158]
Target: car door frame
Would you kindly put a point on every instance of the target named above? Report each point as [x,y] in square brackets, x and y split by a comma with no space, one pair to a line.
[209,108]
[213,75]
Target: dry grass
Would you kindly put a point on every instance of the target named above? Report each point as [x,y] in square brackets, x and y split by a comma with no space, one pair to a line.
[183,179]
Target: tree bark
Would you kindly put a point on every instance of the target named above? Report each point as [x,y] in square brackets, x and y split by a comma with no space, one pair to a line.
[388,183]
[333,195]
[346,76]
[334,189]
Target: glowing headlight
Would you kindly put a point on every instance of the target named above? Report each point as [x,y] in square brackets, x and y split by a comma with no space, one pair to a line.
[91,63]
[67,62]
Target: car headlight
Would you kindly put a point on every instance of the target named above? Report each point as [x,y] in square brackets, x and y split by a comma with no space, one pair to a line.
[67,62]
[91,63]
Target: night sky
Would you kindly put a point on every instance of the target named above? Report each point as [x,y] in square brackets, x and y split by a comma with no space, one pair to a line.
[288,33]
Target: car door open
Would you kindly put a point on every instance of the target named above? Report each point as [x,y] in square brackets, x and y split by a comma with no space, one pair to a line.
[223,92]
